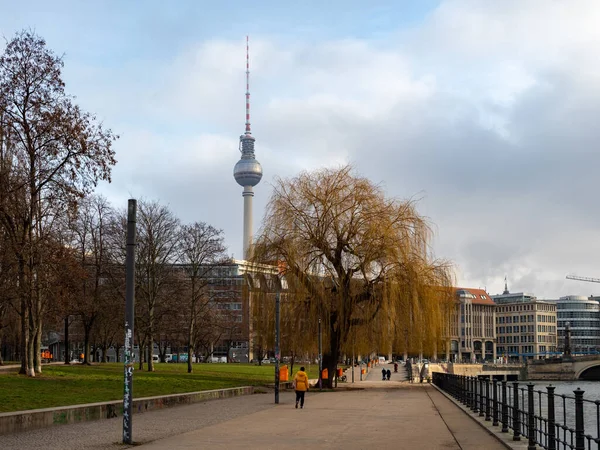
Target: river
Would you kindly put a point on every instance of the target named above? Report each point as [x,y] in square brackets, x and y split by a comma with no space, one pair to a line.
[565,406]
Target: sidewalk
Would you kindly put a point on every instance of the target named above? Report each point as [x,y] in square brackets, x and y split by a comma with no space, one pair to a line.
[381,414]
[405,417]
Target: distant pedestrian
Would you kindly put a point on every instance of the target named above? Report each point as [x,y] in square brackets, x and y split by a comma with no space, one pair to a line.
[389,374]
[383,374]
[300,386]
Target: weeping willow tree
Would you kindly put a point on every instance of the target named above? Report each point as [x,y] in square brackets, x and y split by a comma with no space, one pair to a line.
[359,259]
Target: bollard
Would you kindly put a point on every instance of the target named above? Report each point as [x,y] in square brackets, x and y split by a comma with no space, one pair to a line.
[551,419]
[579,429]
[481,399]
[516,413]
[504,407]
[530,418]
[495,403]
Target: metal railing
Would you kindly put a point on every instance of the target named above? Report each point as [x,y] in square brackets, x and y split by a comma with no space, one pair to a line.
[543,418]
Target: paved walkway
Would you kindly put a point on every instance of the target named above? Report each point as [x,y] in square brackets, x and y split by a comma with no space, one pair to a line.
[381,414]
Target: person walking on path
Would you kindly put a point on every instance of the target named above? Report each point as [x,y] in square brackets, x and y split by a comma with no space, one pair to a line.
[300,386]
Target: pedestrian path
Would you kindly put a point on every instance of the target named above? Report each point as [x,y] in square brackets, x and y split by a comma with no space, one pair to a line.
[376,375]
[407,417]
[385,414]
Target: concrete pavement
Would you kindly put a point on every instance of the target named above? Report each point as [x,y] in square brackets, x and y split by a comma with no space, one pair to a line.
[407,416]
[384,414]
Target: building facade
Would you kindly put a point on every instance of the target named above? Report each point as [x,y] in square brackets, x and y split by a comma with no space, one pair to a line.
[583,314]
[470,329]
[526,328]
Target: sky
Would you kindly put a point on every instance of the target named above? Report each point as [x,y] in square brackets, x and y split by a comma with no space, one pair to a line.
[486,112]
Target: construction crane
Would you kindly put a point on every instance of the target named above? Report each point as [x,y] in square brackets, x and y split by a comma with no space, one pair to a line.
[588,279]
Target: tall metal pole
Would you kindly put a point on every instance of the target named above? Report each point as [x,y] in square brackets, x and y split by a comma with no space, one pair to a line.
[353,344]
[320,359]
[277,348]
[129,321]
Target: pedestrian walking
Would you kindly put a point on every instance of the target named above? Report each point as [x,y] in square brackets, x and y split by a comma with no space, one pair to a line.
[389,374]
[300,386]
[383,374]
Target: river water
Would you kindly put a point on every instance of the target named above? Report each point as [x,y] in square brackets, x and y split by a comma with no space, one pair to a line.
[565,405]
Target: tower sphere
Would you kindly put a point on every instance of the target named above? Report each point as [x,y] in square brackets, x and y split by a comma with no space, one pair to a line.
[247,172]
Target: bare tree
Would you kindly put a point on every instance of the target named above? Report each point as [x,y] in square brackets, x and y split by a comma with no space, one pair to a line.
[57,153]
[158,237]
[201,249]
[352,251]
[89,230]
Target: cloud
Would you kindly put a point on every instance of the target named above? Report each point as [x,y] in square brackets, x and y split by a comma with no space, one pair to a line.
[487,110]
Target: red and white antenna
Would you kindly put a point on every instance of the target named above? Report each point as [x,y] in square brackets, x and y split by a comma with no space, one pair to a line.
[247,87]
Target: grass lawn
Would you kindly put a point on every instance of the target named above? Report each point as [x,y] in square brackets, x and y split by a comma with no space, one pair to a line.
[61,385]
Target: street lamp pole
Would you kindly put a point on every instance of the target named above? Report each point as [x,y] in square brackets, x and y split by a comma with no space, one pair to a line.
[320,358]
[129,322]
[277,301]
[352,364]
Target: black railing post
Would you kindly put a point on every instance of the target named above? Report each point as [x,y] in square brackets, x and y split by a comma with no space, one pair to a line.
[531,418]
[495,403]
[481,404]
[551,445]
[487,400]
[516,413]
[475,398]
[579,429]
[469,392]
[504,407]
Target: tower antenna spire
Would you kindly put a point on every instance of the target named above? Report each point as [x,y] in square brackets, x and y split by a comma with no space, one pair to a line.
[247,86]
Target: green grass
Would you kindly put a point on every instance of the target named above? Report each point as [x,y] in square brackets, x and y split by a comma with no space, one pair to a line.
[60,385]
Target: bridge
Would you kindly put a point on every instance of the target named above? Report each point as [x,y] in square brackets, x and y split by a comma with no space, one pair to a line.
[565,368]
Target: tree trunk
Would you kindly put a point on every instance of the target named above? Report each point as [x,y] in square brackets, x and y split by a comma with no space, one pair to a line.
[67,352]
[37,347]
[150,338]
[24,316]
[142,352]
[330,358]
[86,344]
[150,354]
[191,333]
[31,356]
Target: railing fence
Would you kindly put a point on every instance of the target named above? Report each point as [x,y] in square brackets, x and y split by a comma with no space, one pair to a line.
[543,418]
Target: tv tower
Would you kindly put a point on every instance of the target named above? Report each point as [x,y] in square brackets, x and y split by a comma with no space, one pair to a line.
[248,171]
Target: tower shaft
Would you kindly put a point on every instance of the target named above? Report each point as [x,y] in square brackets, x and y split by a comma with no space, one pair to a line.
[248,195]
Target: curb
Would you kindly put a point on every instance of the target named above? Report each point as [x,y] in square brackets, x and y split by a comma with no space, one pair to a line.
[14,422]
[503,438]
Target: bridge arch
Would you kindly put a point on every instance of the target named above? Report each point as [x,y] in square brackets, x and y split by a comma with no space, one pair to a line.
[589,370]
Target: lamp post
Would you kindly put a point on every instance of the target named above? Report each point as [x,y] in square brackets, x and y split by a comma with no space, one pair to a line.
[352,364]
[320,358]
[129,322]
[277,304]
